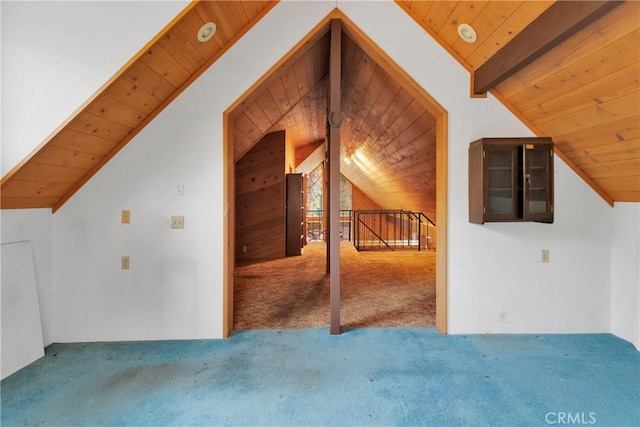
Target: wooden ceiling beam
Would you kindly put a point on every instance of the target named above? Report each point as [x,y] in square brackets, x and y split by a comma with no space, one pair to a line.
[556,24]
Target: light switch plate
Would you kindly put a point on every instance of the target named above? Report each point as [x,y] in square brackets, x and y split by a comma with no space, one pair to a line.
[124,263]
[544,256]
[177,222]
[126,216]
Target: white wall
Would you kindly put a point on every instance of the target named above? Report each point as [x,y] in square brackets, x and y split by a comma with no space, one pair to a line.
[625,276]
[35,226]
[21,326]
[174,286]
[54,56]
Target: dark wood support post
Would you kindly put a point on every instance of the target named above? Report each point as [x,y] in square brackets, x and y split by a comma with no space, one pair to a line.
[334,118]
[562,20]
[325,204]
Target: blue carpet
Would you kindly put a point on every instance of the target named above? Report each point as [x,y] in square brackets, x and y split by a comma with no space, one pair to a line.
[377,376]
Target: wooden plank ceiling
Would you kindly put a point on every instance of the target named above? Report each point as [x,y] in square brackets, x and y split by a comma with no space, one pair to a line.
[584,93]
[124,105]
[387,136]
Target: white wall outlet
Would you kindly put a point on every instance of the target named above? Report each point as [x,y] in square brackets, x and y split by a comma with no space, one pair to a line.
[124,263]
[177,222]
[544,256]
[180,188]
[126,216]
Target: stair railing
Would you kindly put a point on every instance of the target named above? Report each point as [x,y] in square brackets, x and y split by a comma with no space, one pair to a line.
[391,229]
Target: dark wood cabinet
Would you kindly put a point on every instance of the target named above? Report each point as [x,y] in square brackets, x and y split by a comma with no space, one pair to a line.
[511,179]
[295,214]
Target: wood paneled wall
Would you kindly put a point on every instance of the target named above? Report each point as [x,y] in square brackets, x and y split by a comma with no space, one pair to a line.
[360,201]
[260,200]
[290,155]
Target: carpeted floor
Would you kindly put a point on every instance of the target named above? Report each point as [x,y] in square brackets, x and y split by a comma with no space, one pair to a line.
[306,377]
[378,288]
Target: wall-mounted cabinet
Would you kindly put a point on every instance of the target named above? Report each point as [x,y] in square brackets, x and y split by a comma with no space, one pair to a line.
[511,179]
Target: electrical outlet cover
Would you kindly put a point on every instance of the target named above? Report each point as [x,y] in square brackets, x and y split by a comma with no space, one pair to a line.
[177,222]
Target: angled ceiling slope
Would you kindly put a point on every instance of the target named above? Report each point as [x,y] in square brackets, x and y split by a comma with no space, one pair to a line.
[584,92]
[126,103]
[387,135]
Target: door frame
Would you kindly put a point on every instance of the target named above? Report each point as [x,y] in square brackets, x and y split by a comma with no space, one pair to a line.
[429,103]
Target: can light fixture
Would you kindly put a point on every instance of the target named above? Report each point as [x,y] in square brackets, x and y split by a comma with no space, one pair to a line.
[467,33]
[206,32]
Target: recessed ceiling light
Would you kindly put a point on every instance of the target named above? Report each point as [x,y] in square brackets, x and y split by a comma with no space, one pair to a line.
[206,32]
[467,33]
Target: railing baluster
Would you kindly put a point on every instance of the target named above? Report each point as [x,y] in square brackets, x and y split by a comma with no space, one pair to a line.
[369,232]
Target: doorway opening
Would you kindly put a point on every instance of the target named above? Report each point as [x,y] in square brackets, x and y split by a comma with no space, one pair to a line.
[399,112]
[380,286]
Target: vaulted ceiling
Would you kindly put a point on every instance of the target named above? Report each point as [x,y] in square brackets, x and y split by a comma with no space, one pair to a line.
[387,136]
[584,93]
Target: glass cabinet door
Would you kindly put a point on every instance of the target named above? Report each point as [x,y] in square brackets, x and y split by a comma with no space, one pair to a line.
[538,179]
[501,183]
[511,179]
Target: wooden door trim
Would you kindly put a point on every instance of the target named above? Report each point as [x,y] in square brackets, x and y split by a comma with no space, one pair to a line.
[429,103]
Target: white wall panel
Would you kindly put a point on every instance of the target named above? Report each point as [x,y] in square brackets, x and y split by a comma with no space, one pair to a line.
[19,313]
[496,280]
[33,226]
[625,272]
